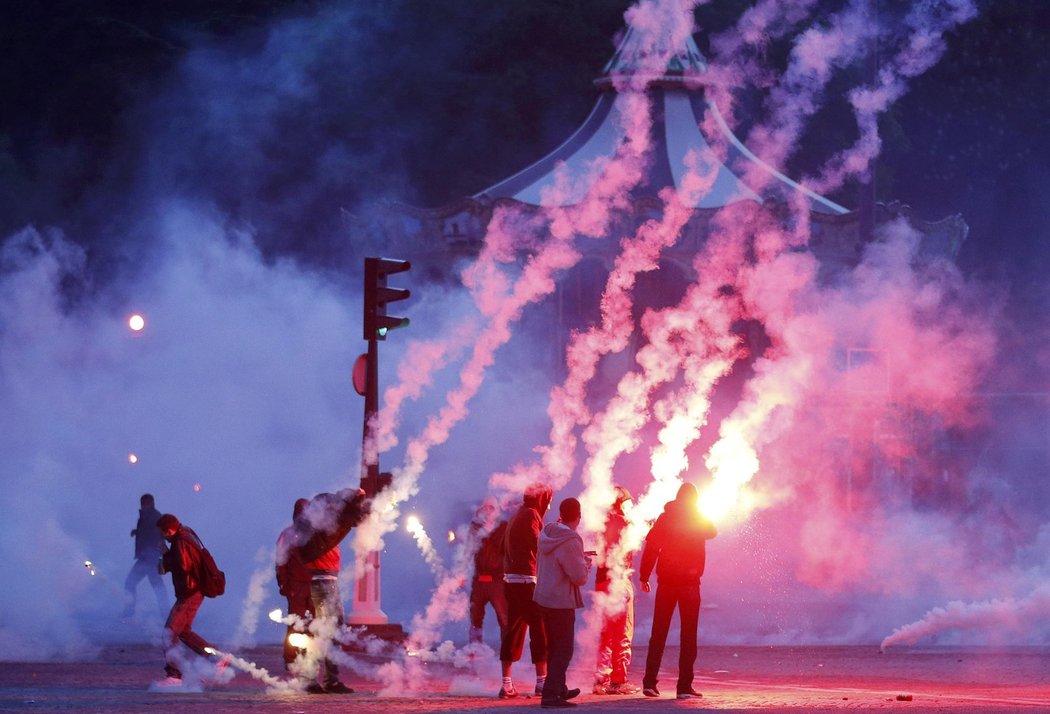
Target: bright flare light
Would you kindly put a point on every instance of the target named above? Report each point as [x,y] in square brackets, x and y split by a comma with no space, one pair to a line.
[90,566]
[732,463]
[413,525]
[136,322]
[276,615]
[299,640]
[133,459]
[451,536]
[197,487]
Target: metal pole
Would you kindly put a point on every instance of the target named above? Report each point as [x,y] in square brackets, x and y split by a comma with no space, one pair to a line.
[365,608]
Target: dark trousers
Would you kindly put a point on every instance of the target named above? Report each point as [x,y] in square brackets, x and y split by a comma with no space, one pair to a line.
[523,614]
[561,634]
[179,627]
[483,592]
[686,597]
[145,568]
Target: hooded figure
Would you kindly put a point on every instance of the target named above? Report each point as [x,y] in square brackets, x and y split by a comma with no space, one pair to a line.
[487,533]
[562,569]
[616,603]
[149,546]
[293,578]
[519,565]
[676,545]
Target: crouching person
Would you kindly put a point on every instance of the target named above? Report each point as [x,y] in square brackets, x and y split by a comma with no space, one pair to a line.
[561,569]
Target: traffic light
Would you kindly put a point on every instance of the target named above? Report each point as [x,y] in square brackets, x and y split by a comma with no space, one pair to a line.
[377,295]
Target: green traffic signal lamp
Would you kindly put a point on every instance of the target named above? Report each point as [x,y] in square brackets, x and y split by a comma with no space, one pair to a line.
[377,295]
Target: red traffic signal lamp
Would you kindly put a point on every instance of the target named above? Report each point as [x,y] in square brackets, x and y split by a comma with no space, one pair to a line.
[377,295]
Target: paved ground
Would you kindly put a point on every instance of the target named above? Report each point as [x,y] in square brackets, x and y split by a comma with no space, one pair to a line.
[770,679]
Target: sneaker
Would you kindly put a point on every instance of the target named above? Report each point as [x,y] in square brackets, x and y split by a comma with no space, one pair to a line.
[313,688]
[508,693]
[651,692]
[338,688]
[690,694]
[623,688]
[169,682]
[557,704]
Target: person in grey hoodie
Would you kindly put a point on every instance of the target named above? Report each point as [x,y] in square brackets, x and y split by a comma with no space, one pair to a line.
[561,568]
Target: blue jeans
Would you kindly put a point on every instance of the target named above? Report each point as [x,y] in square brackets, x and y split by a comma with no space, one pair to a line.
[327,604]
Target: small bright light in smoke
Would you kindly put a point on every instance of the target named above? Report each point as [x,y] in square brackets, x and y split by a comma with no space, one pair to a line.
[211,650]
[197,487]
[90,566]
[451,536]
[298,640]
[276,615]
[413,525]
[133,459]
[136,322]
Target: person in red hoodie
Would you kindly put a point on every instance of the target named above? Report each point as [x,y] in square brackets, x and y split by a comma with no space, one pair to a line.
[183,561]
[614,645]
[487,587]
[677,547]
[519,575]
[293,580]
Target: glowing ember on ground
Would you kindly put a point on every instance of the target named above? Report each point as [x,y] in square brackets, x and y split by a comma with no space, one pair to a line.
[136,322]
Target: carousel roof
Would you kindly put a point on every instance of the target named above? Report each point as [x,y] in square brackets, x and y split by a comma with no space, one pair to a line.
[678,140]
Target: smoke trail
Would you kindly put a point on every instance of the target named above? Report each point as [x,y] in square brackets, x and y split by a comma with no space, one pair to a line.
[1007,615]
[257,592]
[426,546]
[922,48]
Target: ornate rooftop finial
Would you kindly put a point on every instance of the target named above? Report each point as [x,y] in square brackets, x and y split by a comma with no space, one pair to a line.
[639,52]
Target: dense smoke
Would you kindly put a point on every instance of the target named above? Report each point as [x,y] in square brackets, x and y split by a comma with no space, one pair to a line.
[838,521]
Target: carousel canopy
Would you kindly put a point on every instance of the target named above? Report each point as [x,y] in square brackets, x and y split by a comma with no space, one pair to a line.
[678,140]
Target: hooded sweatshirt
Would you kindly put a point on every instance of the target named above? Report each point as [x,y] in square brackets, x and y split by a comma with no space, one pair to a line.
[676,545]
[149,543]
[561,568]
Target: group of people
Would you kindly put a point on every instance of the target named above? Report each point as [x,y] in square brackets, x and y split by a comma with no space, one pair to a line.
[530,573]
[535,588]
[307,571]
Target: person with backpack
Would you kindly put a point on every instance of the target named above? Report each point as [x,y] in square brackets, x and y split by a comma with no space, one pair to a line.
[193,574]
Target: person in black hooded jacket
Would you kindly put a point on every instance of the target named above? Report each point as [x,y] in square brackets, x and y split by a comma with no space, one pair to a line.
[677,547]
[149,547]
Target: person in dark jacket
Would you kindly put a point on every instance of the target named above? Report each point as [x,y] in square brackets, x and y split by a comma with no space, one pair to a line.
[183,561]
[519,576]
[561,569]
[677,546]
[293,581]
[149,547]
[487,587]
[614,644]
[326,520]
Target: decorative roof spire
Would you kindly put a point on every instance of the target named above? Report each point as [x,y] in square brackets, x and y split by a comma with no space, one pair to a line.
[638,53]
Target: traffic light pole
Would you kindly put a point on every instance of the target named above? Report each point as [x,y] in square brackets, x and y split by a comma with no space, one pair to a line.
[366,606]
